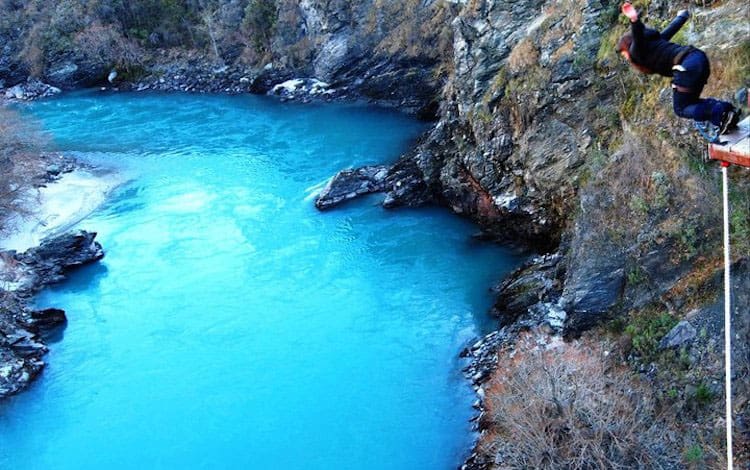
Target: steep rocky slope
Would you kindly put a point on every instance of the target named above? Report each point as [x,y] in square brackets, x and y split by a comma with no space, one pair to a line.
[543,137]
[546,138]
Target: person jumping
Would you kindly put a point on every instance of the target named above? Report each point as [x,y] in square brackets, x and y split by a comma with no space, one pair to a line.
[650,51]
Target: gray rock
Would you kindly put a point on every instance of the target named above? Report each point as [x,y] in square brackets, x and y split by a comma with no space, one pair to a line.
[537,281]
[31,90]
[55,256]
[564,70]
[406,186]
[349,184]
[682,334]
[47,319]
[53,169]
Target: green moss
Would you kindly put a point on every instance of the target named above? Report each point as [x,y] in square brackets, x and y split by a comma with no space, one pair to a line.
[483,115]
[636,275]
[496,90]
[689,240]
[639,204]
[607,45]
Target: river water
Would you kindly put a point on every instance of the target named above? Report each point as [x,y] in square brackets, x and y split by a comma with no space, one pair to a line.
[231,324]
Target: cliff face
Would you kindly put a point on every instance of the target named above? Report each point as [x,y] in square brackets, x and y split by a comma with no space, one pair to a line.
[511,116]
[545,137]
[392,52]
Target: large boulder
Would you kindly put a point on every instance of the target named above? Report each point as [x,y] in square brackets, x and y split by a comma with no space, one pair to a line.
[55,256]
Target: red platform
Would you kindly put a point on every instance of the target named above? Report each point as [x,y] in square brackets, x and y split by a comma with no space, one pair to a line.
[734,147]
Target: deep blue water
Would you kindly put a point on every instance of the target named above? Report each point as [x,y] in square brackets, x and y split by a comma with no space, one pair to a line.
[231,325]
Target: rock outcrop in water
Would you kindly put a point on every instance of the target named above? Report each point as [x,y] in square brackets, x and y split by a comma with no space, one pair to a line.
[21,327]
[349,184]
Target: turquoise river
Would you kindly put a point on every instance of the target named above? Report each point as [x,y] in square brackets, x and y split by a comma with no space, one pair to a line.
[231,324]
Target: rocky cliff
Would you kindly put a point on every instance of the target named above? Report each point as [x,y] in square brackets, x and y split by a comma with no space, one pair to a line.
[545,138]
[542,135]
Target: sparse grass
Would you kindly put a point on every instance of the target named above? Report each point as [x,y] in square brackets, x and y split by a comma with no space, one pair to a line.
[524,55]
[646,330]
[729,71]
[688,238]
[739,203]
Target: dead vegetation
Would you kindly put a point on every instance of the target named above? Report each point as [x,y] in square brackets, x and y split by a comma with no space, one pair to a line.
[19,164]
[569,405]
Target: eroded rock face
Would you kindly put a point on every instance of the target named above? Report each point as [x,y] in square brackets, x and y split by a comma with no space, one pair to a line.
[390,52]
[534,285]
[21,328]
[510,140]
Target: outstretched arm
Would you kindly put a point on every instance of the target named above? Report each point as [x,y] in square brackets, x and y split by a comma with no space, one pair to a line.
[641,34]
[675,25]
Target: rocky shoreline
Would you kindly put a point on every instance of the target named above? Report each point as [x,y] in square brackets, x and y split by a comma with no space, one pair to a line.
[194,76]
[23,328]
[39,254]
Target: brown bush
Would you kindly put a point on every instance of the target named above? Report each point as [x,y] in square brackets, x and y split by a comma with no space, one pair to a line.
[104,43]
[19,164]
[566,405]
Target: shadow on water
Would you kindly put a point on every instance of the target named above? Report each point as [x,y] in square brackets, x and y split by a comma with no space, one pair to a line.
[54,335]
[125,199]
[80,280]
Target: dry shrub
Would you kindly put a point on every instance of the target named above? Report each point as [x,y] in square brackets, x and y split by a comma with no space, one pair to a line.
[523,55]
[104,43]
[567,405]
[407,26]
[19,164]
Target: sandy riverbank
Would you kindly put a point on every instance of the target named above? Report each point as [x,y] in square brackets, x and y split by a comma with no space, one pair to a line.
[60,205]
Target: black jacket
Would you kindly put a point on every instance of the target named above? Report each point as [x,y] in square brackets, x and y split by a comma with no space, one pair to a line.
[652,50]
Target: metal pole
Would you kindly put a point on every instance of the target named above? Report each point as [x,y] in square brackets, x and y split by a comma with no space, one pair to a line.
[727,317]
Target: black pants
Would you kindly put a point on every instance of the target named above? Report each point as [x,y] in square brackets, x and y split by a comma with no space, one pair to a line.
[690,104]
